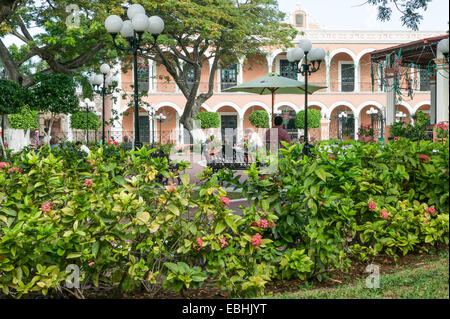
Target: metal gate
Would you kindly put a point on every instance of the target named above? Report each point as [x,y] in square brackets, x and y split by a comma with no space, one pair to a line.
[342,127]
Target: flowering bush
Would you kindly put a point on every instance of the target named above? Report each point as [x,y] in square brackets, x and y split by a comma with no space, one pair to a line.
[346,205]
[441,129]
[365,130]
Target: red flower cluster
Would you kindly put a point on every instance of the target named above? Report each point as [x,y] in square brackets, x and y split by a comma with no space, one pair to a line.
[171,188]
[320,203]
[91,264]
[13,169]
[424,158]
[46,207]
[442,125]
[396,138]
[263,223]
[384,214]
[372,205]
[256,240]
[88,183]
[4,165]
[199,243]
[431,210]
[223,242]
[225,200]
[113,142]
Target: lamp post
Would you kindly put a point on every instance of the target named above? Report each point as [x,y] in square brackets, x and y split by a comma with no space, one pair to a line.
[87,104]
[132,30]
[96,80]
[311,63]
[160,117]
[443,47]
[342,117]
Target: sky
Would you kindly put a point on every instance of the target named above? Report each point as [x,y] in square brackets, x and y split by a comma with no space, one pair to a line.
[354,15]
[350,15]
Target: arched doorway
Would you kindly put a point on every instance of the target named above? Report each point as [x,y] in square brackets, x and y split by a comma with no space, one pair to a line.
[342,123]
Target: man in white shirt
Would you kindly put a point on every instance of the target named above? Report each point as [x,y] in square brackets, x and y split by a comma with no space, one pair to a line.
[83,147]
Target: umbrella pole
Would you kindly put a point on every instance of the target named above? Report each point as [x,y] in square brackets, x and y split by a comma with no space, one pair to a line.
[273,103]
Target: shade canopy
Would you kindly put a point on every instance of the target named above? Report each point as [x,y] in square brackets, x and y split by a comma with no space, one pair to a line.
[271,84]
[274,83]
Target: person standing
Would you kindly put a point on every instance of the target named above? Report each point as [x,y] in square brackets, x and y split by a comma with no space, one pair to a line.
[282,133]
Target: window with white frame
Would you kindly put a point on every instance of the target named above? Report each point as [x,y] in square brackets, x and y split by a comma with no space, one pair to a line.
[424,80]
[288,69]
[347,74]
[228,76]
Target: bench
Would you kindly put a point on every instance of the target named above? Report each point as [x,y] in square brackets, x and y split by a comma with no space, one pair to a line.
[219,160]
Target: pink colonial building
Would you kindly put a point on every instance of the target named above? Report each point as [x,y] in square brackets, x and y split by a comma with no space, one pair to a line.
[353,87]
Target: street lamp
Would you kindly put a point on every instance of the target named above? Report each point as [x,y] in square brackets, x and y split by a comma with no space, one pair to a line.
[160,117]
[132,30]
[372,112]
[315,55]
[400,115]
[342,118]
[96,80]
[443,47]
[87,104]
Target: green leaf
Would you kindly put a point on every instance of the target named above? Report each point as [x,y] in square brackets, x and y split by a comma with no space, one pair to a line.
[321,174]
[73,255]
[95,248]
[185,179]
[220,227]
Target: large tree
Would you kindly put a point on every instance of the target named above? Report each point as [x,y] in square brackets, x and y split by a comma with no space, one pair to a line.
[220,30]
[410,10]
[70,40]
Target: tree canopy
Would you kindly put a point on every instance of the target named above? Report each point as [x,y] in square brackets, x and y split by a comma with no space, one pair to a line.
[409,9]
[63,45]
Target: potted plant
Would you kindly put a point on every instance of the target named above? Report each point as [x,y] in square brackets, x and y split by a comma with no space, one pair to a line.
[346,133]
[365,133]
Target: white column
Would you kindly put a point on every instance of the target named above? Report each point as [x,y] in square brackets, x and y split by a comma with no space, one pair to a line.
[390,100]
[327,62]
[116,128]
[269,59]
[69,128]
[356,127]
[357,76]
[151,78]
[240,75]
[240,128]
[441,92]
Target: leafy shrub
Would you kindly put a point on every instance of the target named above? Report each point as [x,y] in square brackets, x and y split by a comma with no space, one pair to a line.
[26,119]
[78,121]
[322,202]
[208,119]
[314,117]
[259,119]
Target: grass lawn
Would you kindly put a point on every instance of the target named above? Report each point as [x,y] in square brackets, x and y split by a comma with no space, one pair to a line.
[428,279]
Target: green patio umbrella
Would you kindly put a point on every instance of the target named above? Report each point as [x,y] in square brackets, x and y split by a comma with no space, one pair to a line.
[273,83]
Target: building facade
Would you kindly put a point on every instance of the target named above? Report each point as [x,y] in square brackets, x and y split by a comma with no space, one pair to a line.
[354,86]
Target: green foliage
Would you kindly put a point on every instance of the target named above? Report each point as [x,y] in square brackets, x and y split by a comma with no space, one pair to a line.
[208,119]
[314,117]
[26,119]
[181,276]
[409,9]
[259,119]
[12,97]
[78,121]
[54,93]
[416,131]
